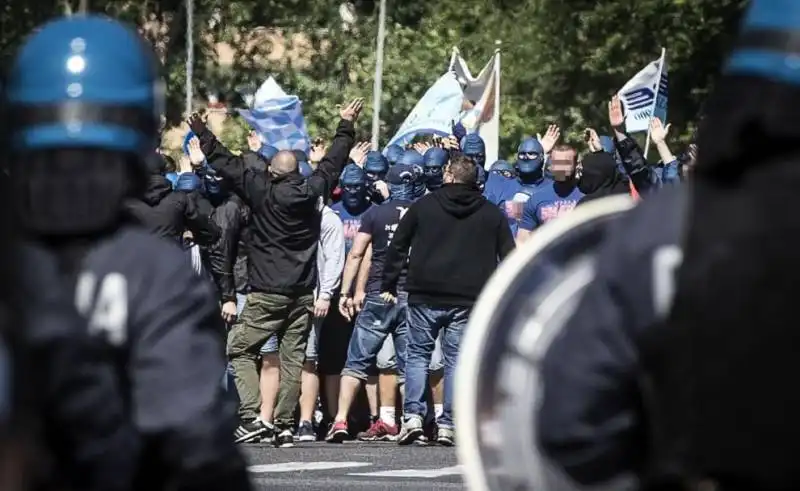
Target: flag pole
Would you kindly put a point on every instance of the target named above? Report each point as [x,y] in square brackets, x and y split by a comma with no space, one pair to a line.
[378,87]
[189,55]
[655,100]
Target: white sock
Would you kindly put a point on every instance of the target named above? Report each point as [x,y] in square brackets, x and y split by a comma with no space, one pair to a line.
[438,409]
[387,414]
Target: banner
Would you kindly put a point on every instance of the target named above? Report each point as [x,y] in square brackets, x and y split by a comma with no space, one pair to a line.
[484,89]
[277,118]
[645,96]
[434,113]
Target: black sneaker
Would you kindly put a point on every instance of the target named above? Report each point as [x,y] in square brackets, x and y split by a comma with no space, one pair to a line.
[251,432]
[285,439]
[305,432]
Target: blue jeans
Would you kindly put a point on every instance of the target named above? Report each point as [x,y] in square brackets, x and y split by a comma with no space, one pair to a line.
[376,321]
[424,325]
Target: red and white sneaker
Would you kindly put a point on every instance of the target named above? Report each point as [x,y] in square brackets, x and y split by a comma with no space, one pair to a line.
[379,432]
[338,432]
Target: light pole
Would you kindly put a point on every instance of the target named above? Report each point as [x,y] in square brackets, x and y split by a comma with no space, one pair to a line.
[189,55]
[378,87]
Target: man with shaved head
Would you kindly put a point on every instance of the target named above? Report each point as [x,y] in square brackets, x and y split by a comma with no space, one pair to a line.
[285,231]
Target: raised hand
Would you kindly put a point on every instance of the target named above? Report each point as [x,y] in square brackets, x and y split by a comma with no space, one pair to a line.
[550,138]
[196,123]
[615,116]
[658,132]
[253,141]
[318,150]
[352,110]
[593,141]
[196,155]
[422,147]
[359,153]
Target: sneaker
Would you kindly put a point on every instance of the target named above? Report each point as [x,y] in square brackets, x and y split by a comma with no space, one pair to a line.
[285,439]
[338,432]
[446,437]
[428,435]
[379,432]
[411,431]
[305,432]
[251,432]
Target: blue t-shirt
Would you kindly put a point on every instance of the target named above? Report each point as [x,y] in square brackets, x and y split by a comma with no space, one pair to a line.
[381,222]
[551,200]
[350,222]
[510,195]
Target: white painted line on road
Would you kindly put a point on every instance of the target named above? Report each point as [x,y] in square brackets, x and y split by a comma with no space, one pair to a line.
[303,466]
[418,473]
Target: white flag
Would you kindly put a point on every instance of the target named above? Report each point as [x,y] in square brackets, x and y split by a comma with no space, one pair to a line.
[645,96]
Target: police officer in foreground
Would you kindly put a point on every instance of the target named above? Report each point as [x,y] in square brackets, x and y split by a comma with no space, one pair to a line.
[86,94]
[679,364]
[676,370]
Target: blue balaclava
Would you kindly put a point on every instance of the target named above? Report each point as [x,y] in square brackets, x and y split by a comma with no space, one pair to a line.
[434,161]
[607,143]
[530,157]
[472,146]
[354,187]
[267,151]
[413,159]
[376,166]
[480,178]
[187,182]
[305,169]
[393,153]
[503,168]
[402,180]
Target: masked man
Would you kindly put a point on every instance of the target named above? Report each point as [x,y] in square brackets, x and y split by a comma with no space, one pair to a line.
[375,167]
[554,198]
[378,319]
[88,92]
[434,161]
[393,153]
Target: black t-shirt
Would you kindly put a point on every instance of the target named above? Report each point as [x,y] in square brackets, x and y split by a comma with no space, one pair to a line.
[380,222]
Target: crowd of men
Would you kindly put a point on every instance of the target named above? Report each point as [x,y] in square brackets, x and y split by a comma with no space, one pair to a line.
[310,255]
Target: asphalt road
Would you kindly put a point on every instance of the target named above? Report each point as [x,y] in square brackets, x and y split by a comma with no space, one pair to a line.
[354,466]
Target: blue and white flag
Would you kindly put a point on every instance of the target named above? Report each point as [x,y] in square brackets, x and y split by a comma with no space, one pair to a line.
[645,96]
[278,118]
[434,113]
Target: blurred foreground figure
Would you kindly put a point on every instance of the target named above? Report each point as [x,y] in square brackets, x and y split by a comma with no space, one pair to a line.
[87,96]
[672,363]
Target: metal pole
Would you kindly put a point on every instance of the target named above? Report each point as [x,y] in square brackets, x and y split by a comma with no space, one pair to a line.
[189,55]
[378,87]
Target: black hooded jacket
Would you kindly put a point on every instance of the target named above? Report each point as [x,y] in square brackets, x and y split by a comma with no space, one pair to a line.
[230,216]
[600,177]
[168,214]
[458,238]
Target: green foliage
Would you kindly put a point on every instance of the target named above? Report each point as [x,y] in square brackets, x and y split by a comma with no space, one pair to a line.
[561,61]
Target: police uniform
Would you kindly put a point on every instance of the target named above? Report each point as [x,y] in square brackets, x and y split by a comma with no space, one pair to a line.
[87,90]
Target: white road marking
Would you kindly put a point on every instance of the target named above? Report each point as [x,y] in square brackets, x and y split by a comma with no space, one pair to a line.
[303,466]
[418,473]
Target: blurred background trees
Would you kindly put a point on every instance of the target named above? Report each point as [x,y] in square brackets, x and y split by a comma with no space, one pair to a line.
[561,61]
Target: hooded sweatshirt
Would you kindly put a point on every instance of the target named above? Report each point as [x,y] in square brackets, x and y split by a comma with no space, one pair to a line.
[458,238]
[600,177]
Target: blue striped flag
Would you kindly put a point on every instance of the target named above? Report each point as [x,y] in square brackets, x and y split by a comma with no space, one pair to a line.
[280,123]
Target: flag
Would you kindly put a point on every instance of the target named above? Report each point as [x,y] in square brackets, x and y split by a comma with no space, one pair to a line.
[645,96]
[434,113]
[484,117]
[277,118]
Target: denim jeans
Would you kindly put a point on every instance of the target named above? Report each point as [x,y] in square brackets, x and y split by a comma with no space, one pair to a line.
[376,321]
[425,322]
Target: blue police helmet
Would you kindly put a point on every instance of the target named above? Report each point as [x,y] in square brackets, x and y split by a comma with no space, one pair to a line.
[435,157]
[502,166]
[267,151]
[86,81]
[393,153]
[376,163]
[763,49]
[353,175]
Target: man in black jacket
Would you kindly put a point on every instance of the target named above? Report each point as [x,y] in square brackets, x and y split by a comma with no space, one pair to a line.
[458,238]
[283,268]
[169,214]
